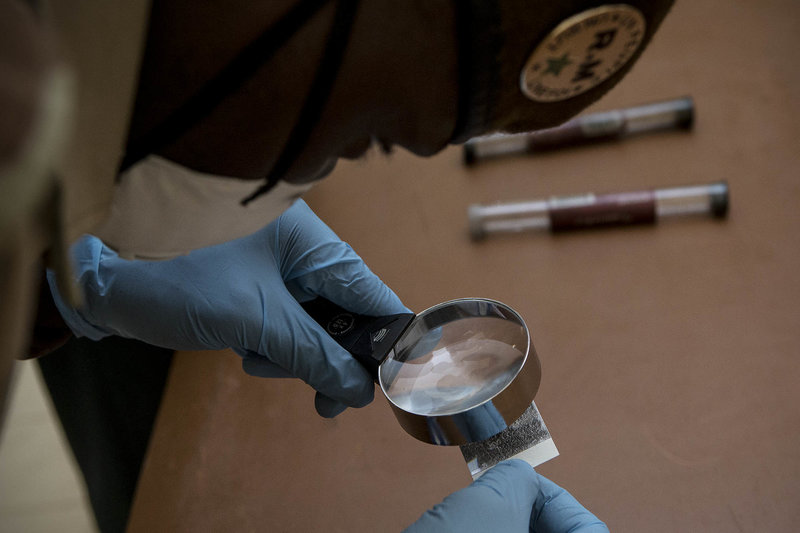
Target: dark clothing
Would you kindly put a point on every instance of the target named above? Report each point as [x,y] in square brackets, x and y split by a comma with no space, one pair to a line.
[107,395]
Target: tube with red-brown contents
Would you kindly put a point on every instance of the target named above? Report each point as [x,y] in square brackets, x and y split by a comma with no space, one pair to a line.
[590,210]
[591,128]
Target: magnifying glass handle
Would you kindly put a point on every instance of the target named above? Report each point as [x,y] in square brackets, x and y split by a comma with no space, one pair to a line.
[368,338]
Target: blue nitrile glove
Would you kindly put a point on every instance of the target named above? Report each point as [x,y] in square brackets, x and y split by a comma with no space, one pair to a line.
[244,295]
[511,497]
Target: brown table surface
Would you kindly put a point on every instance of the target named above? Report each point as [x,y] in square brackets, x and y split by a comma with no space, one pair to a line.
[671,372]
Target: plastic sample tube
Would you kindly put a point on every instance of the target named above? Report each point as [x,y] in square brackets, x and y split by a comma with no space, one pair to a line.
[590,210]
[595,127]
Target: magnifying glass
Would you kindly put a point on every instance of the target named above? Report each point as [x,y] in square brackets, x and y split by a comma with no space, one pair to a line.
[459,372]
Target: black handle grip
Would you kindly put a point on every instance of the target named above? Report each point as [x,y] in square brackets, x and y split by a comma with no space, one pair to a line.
[368,338]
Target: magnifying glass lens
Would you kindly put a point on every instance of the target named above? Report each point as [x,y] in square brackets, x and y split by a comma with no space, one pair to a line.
[448,367]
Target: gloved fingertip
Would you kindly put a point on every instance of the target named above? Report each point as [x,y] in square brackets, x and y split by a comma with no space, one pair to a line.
[555,509]
[519,464]
[328,407]
[515,471]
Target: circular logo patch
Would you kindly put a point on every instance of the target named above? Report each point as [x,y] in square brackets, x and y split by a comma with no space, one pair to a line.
[582,52]
[341,324]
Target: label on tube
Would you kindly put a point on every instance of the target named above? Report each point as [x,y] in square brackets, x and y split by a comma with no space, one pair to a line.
[602,210]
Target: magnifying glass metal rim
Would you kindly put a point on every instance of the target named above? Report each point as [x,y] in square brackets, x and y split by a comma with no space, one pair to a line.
[509,402]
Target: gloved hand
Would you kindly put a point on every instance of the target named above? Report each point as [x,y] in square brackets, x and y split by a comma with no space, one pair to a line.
[511,497]
[244,295]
